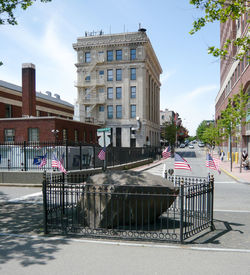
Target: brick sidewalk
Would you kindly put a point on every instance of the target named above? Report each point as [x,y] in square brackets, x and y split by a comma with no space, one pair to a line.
[243,176]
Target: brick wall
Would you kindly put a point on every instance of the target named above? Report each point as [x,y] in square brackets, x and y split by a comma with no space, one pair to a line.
[46,125]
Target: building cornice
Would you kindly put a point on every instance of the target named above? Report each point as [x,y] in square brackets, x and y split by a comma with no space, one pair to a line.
[122,39]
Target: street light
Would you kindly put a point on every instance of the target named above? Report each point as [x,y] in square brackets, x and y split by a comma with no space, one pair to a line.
[55,132]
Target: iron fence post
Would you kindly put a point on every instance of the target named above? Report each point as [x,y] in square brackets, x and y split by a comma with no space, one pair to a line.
[67,154]
[181,211]
[80,155]
[25,157]
[45,212]
[212,202]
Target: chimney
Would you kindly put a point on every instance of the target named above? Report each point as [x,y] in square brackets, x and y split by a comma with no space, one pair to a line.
[28,89]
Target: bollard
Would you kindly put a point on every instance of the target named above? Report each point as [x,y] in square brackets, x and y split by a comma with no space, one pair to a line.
[228,155]
[236,157]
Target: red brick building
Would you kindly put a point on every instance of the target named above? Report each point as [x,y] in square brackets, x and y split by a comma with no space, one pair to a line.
[234,73]
[26,115]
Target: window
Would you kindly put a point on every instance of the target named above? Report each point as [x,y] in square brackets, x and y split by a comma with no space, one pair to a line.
[133,74]
[8,111]
[118,92]
[87,78]
[33,134]
[110,75]
[118,54]
[118,74]
[38,113]
[133,92]
[110,93]
[100,90]
[9,135]
[132,111]
[65,134]
[101,108]
[132,54]
[110,111]
[101,72]
[87,57]
[110,55]
[76,135]
[118,111]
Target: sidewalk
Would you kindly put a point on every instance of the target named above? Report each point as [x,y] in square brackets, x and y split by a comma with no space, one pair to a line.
[243,177]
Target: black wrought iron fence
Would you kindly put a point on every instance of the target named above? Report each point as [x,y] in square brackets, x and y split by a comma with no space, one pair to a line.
[27,156]
[128,212]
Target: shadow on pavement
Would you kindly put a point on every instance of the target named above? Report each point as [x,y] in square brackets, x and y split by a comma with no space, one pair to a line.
[23,220]
[186,154]
[226,234]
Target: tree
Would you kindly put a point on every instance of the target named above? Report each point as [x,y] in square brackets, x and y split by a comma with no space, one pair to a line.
[8,7]
[232,118]
[210,135]
[201,129]
[170,131]
[223,10]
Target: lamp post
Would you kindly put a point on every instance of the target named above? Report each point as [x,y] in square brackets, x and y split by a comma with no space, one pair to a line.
[55,133]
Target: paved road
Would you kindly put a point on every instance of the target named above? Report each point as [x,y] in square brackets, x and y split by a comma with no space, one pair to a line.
[24,250]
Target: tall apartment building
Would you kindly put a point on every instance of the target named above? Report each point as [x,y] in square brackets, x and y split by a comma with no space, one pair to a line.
[118,83]
[234,74]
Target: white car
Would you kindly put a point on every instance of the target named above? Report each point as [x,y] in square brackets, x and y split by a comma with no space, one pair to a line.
[191,146]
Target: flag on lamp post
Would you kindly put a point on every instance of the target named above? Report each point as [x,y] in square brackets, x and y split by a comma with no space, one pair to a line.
[180,163]
[166,153]
[102,154]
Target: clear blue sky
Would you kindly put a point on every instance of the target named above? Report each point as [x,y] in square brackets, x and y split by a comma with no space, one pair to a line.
[45,33]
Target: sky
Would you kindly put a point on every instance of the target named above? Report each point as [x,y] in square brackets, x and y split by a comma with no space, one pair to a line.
[45,34]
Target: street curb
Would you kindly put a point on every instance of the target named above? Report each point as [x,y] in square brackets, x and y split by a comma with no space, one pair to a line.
[20,185]
[232,176]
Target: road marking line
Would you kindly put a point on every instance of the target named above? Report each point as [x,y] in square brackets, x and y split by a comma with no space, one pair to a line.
[118,243]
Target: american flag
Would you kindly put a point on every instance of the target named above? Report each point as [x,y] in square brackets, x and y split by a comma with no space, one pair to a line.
[210,162]
[57,164]
[166,153]
[44,161]
[213,163]
[102,154]
[180,163]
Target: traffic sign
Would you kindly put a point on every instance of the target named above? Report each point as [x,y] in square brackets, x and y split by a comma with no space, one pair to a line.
[104,137]
[104,130]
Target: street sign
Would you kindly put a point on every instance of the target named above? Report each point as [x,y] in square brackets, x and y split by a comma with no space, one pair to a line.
[104,130]
[104,137]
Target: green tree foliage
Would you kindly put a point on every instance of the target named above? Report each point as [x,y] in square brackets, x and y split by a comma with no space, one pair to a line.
[201,129]
[7,9]
[222,10]
[170,131]
[212,135]
[234,114]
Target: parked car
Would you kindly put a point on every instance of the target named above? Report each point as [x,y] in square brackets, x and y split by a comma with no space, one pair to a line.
[182,145]
[191,146]
[201,144]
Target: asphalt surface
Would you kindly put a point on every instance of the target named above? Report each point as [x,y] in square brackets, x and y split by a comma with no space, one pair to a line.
[226,250]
